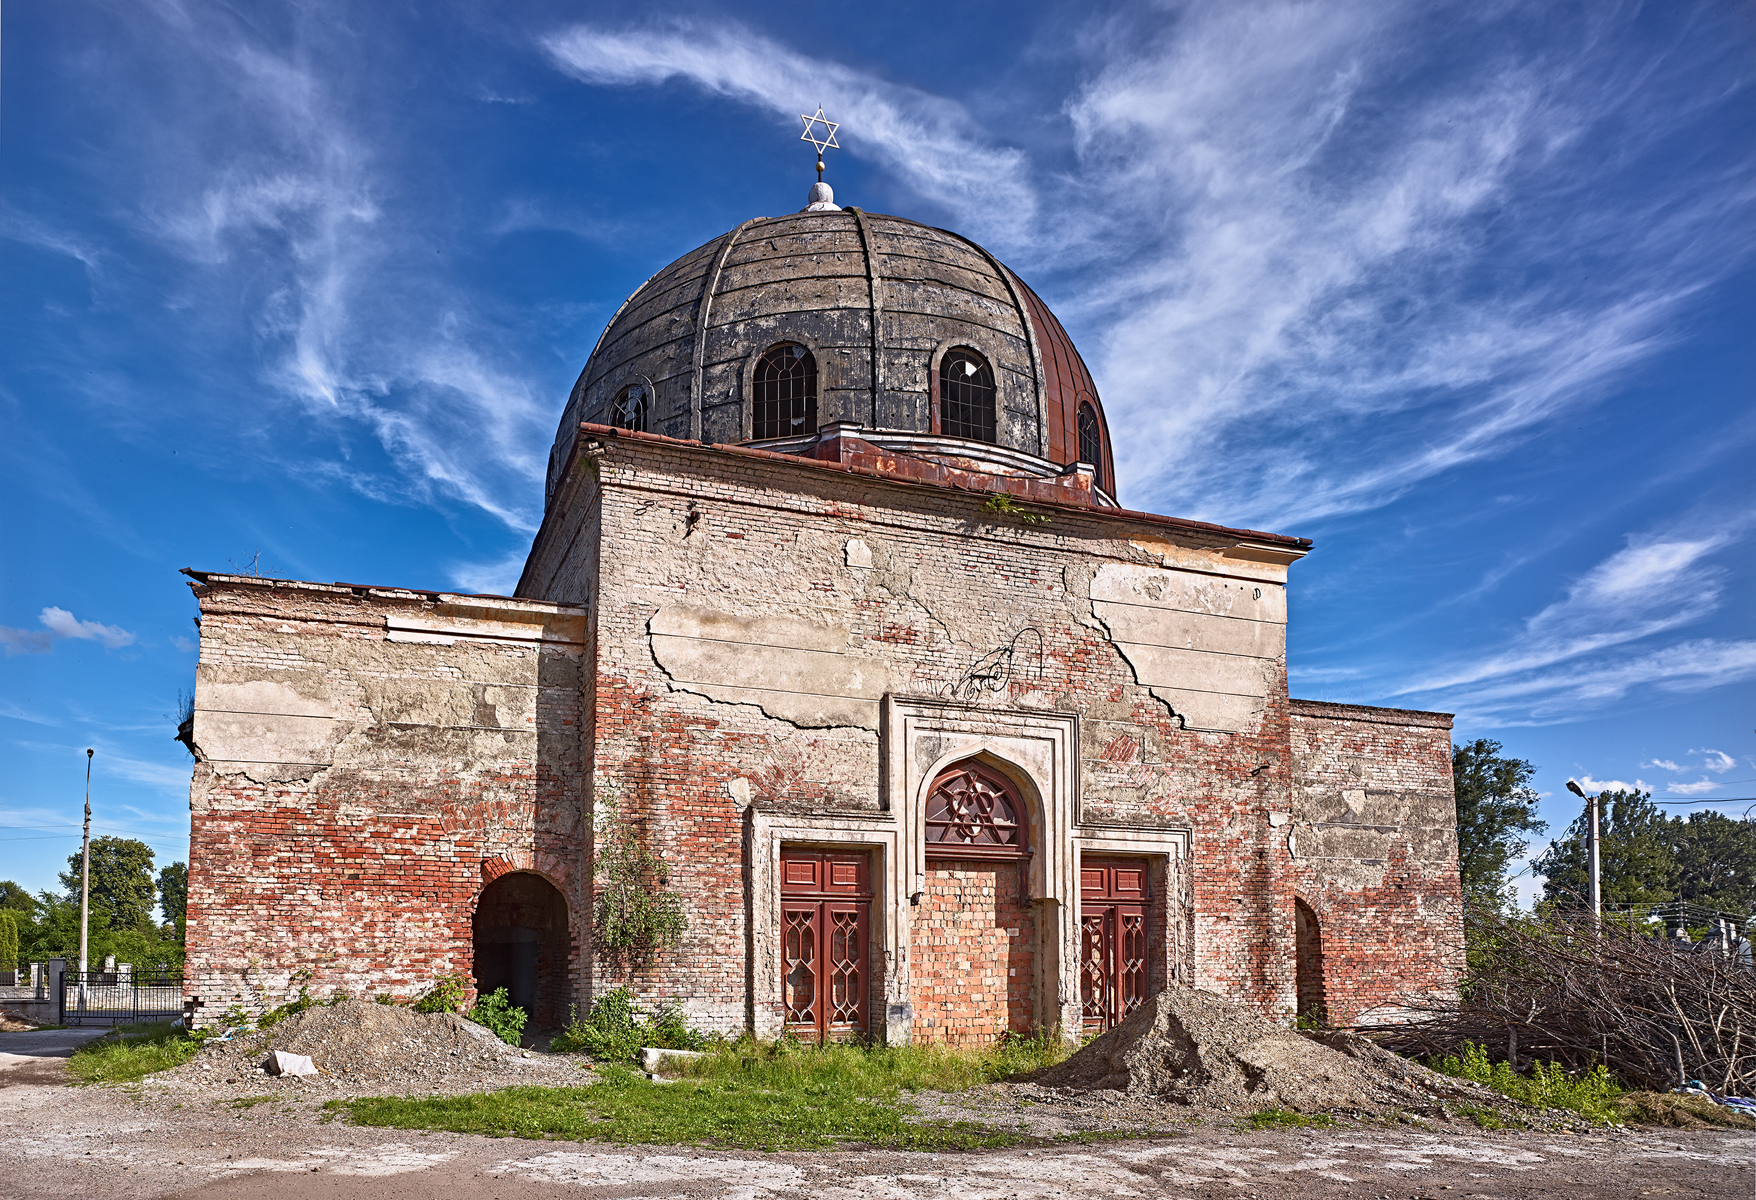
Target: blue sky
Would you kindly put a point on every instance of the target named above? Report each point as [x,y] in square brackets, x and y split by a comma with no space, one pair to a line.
[1462,292]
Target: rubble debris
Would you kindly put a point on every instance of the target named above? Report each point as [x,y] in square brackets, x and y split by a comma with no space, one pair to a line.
[281,1062]
[1194,1047]
[363,1046]
[654,1059]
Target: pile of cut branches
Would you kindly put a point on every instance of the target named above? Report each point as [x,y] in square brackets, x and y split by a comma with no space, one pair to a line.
[1552,987]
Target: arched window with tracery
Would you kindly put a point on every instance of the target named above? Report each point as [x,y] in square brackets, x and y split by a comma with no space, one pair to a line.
[1091,441]
[785,401]
[974,812]
[629,410]
[966,396]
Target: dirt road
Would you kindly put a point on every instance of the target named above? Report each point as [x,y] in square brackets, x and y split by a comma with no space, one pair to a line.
[56,1140]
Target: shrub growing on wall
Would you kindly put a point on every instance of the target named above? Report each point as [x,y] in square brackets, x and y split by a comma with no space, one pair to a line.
[635,914]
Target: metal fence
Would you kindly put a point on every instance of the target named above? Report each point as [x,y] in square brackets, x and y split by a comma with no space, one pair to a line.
[118,997]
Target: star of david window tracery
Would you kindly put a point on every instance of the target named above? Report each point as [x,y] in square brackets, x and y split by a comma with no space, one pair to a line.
[973,812]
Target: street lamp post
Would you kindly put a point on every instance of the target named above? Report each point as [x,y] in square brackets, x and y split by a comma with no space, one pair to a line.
[1596,896]
[85,878]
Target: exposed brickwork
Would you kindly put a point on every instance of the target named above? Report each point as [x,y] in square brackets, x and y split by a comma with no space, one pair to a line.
[950,582]
[743,615]
[973,952]
[1377,853]
[353,794]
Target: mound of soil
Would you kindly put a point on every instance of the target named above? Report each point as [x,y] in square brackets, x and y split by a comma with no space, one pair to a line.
[360,1044]
[1197,1048]
[1680,1112]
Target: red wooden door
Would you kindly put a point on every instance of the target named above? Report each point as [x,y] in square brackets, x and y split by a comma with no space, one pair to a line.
[825,960]
[1112,939]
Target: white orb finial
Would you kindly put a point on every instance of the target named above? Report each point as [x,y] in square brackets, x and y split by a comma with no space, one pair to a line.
[821,199]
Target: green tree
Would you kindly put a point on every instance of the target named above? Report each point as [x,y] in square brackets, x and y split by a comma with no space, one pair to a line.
[16,899]
[1716,862]
[1495,804]
[121,881]
[1637,857]
[174,893]
[8,940]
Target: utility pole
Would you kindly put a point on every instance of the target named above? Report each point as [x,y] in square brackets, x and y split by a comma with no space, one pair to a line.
[1593,837]
[85,878]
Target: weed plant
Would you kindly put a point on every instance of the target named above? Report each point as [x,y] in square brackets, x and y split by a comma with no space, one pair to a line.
[1280,1118]
[1591,1093]
[617,1028]
[445,996]
[130,1057]
[497,1012]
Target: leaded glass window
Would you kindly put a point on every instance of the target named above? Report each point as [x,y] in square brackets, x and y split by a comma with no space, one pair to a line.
[630,408]
[966,396]
[1091,440]
[785,403]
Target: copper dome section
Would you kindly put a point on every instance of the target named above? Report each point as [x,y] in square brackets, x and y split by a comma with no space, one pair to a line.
[1066,384]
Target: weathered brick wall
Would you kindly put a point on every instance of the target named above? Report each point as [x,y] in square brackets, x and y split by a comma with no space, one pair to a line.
[920,587]
[1376,853]
[367,759]
[974,954]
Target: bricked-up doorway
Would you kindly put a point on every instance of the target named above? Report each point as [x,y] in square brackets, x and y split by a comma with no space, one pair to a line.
[1113,955]
[826,957]
[974,936]
[1308,949]
[522,943]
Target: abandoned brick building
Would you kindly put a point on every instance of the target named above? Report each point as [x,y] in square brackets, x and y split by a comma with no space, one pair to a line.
[835,601]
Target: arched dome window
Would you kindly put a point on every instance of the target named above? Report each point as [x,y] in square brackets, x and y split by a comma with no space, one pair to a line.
[630,408]
[966,396]
[1091,441]
[785,403]
[974,812]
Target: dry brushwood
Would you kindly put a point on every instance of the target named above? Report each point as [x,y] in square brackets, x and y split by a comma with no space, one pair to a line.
[1553,987]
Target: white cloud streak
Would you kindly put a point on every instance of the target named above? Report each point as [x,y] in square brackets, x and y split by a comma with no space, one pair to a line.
[928,141]
[277,195]
[59,623]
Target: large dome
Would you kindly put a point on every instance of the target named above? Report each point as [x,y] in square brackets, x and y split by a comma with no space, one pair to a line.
[885,308]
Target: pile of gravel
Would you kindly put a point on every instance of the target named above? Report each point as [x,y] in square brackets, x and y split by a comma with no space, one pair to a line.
[360,1045]
[1193,1047]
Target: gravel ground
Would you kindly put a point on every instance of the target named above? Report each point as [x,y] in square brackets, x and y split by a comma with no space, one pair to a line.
[218,1127]
[361,1048]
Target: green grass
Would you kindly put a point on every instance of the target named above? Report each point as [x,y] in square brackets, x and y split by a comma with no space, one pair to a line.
[1487,1118]
[1280,1118]
[130,1056]
[744,1095]
[1547,1085]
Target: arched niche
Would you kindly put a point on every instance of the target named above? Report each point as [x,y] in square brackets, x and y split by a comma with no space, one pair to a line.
[521,943]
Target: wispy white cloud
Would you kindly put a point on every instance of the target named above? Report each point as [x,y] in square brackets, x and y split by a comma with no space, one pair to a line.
[278,194]
[1355,294]
[1664,764]
[1653,584]
[497,578]
[16,713]
[1613,785]
[64,624]
[1717,761]
[1699,788]
[929,143]
[58,622]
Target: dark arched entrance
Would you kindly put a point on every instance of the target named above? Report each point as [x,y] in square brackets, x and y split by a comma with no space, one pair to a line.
[1308,947]
[522,944]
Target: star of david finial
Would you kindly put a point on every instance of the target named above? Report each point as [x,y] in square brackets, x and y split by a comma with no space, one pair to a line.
[825,142]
